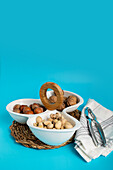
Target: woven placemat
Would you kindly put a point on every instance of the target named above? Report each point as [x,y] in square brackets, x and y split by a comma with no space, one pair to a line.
[24,136]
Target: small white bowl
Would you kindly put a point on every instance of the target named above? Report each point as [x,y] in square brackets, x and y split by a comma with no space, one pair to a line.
[66,94]
[21,118]
[53,136]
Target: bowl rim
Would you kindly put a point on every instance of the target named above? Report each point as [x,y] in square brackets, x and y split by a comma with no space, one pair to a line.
[32,115]
[20,114]
[54,130]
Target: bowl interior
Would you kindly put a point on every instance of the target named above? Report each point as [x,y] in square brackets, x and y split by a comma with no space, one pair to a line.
[46,115]
[22,102]
[66,94]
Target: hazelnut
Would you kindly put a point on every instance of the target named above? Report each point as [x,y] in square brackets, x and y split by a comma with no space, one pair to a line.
[16,110]
[50,126]
[25,109]
[29,112]
[38,119]
[44,109]
[38,110]
[68,125]
[53,99]
[35,105]
[17,106]
[61,107]
[71,100]
[22,107]
[30,106]
[58,125]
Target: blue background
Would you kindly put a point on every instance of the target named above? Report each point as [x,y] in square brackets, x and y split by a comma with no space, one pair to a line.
[68,42]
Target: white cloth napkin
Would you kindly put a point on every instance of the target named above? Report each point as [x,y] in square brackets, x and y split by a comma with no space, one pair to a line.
[84,143]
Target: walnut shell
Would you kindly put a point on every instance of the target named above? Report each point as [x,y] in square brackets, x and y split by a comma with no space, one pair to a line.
[53,99]
[71,100]
[61,107]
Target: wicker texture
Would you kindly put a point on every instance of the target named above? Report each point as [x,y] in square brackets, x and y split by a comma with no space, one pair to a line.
[24,136]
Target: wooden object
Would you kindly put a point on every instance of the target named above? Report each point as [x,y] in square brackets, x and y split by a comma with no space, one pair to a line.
[24,136]
[58,92]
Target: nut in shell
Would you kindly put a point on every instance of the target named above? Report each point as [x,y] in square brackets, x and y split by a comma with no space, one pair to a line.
[50,126]
[17,106]
[16,110]
[35,105]
[71,100]
[68,125]
[40,125]
[53,116]
[58,125]
[58,115]
[53,99]
[38,110]
[64,121]
[46,122]
[61,107]
[38,119]
[25,109]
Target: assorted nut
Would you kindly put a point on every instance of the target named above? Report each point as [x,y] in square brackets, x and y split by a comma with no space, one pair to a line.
[34,108]
[56,121]
[76,114]
[68,101]
[71,100]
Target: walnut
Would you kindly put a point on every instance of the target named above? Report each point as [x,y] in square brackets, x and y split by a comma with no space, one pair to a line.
[71,100]
[53,99]
[77,116]
[61,107]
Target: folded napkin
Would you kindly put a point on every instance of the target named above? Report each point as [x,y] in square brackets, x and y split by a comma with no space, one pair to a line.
[84,143]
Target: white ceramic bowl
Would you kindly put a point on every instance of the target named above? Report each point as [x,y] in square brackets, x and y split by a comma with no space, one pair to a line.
[53,136]
[66,94]
[21,118]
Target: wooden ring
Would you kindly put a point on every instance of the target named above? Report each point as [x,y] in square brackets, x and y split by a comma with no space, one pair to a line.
[58,92]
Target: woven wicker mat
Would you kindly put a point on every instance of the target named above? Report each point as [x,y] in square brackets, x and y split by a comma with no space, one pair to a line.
[23,135]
